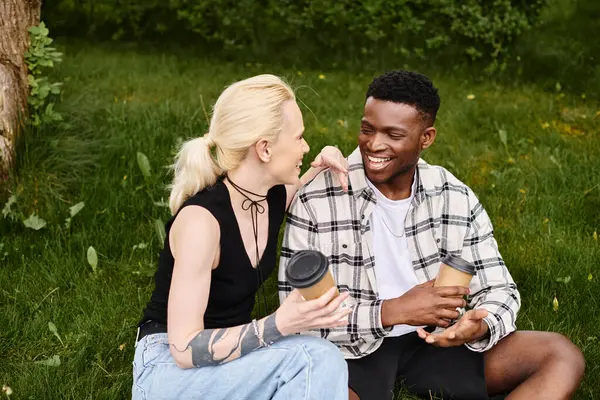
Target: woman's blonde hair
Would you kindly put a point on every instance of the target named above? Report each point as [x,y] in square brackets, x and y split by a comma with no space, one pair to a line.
[244,113]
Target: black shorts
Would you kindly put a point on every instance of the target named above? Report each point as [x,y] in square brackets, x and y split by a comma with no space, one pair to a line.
[427,371]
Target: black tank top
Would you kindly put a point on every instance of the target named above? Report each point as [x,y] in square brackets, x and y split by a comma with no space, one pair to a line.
[234,282]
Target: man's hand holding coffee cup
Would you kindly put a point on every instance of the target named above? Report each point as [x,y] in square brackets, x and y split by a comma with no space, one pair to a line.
[297,315]
[425,304]
[469,328]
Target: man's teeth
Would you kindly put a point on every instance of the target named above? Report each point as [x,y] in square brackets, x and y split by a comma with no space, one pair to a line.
[378,160]
[299,164]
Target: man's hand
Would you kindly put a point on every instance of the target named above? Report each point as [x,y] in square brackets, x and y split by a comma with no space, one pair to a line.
[424,305]
[469,328]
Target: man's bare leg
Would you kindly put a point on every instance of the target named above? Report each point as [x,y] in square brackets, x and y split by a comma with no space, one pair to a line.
[352,395]
[534,365]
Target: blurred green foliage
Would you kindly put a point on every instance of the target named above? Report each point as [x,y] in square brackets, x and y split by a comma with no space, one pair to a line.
[477,28]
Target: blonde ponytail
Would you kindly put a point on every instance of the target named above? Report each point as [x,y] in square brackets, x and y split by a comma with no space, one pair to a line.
[194,169]
[244,113]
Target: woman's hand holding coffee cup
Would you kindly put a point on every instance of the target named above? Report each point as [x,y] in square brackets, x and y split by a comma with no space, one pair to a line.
[298,315]
[469,328]
[425,305]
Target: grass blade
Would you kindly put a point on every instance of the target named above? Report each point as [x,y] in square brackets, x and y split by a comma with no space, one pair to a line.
[503,137]
[92,258]
[160,230]
[53,329]
[144,165]
[76,208]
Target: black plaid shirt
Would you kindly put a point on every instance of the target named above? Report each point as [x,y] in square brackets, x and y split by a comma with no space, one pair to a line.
[445,217]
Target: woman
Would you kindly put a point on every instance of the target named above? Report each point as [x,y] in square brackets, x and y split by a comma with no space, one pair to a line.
[229,195]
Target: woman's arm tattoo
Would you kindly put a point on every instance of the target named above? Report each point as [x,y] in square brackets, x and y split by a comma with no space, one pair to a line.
[218,346]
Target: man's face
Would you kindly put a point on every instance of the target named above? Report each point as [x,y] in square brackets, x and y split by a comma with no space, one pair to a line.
[391,139]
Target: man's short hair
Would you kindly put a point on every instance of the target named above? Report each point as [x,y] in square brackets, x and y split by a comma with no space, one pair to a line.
[409,88]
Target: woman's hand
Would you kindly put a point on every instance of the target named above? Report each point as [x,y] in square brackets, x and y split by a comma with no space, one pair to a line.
[331,157]
[298,315]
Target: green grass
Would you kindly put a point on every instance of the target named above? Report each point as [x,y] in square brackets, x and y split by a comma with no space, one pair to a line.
[542,192]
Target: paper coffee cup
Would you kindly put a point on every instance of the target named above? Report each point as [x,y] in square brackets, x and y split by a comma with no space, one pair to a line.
[308,271]
[455,271]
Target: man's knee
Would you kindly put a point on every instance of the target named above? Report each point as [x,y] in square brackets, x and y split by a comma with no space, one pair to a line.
[563,353]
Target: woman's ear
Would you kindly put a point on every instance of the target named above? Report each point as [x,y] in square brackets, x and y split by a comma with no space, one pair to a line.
[263,150]
[428,137]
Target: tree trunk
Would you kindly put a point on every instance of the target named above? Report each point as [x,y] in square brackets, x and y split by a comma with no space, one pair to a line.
[15,17]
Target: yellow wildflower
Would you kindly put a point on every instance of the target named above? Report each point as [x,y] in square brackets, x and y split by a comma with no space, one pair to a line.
[7,390]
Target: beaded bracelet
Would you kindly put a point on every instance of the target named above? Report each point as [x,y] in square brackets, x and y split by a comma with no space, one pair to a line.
[261,342]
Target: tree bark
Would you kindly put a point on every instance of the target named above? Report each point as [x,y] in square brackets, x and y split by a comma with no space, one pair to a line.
[15,17]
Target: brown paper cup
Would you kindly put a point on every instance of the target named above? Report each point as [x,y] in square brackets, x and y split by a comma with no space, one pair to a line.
[455,271]
[308,271]
[320,288]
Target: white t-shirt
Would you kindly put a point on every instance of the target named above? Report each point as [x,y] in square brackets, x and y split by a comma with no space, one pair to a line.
[393,265]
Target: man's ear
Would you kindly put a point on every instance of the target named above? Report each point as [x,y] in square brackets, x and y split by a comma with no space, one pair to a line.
[263,150]
[428,137]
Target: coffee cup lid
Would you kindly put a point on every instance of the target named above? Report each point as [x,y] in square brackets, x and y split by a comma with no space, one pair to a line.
[306,267]
[459,264]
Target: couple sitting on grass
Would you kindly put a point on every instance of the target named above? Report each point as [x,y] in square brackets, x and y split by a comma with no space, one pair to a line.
[384,218]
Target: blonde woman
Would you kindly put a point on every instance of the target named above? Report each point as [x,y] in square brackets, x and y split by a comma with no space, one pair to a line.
[228,198]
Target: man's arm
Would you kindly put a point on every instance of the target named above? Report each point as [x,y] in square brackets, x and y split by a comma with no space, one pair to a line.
[493,288]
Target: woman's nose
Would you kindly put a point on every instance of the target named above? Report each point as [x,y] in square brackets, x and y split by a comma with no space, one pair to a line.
[306,147]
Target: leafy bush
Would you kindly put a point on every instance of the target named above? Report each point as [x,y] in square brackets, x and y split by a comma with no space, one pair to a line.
[110,18]
[479,28]
[39,57]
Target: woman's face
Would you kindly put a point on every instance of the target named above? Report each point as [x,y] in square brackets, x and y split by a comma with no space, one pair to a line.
[290,147]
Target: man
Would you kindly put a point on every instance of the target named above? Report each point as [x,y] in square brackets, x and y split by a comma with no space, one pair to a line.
[385,239]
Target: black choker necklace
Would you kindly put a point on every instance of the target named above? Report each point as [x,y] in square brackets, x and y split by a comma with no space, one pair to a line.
[255,208]
[248,203]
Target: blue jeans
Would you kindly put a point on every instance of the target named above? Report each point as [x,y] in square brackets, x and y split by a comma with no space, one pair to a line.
[295,367]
